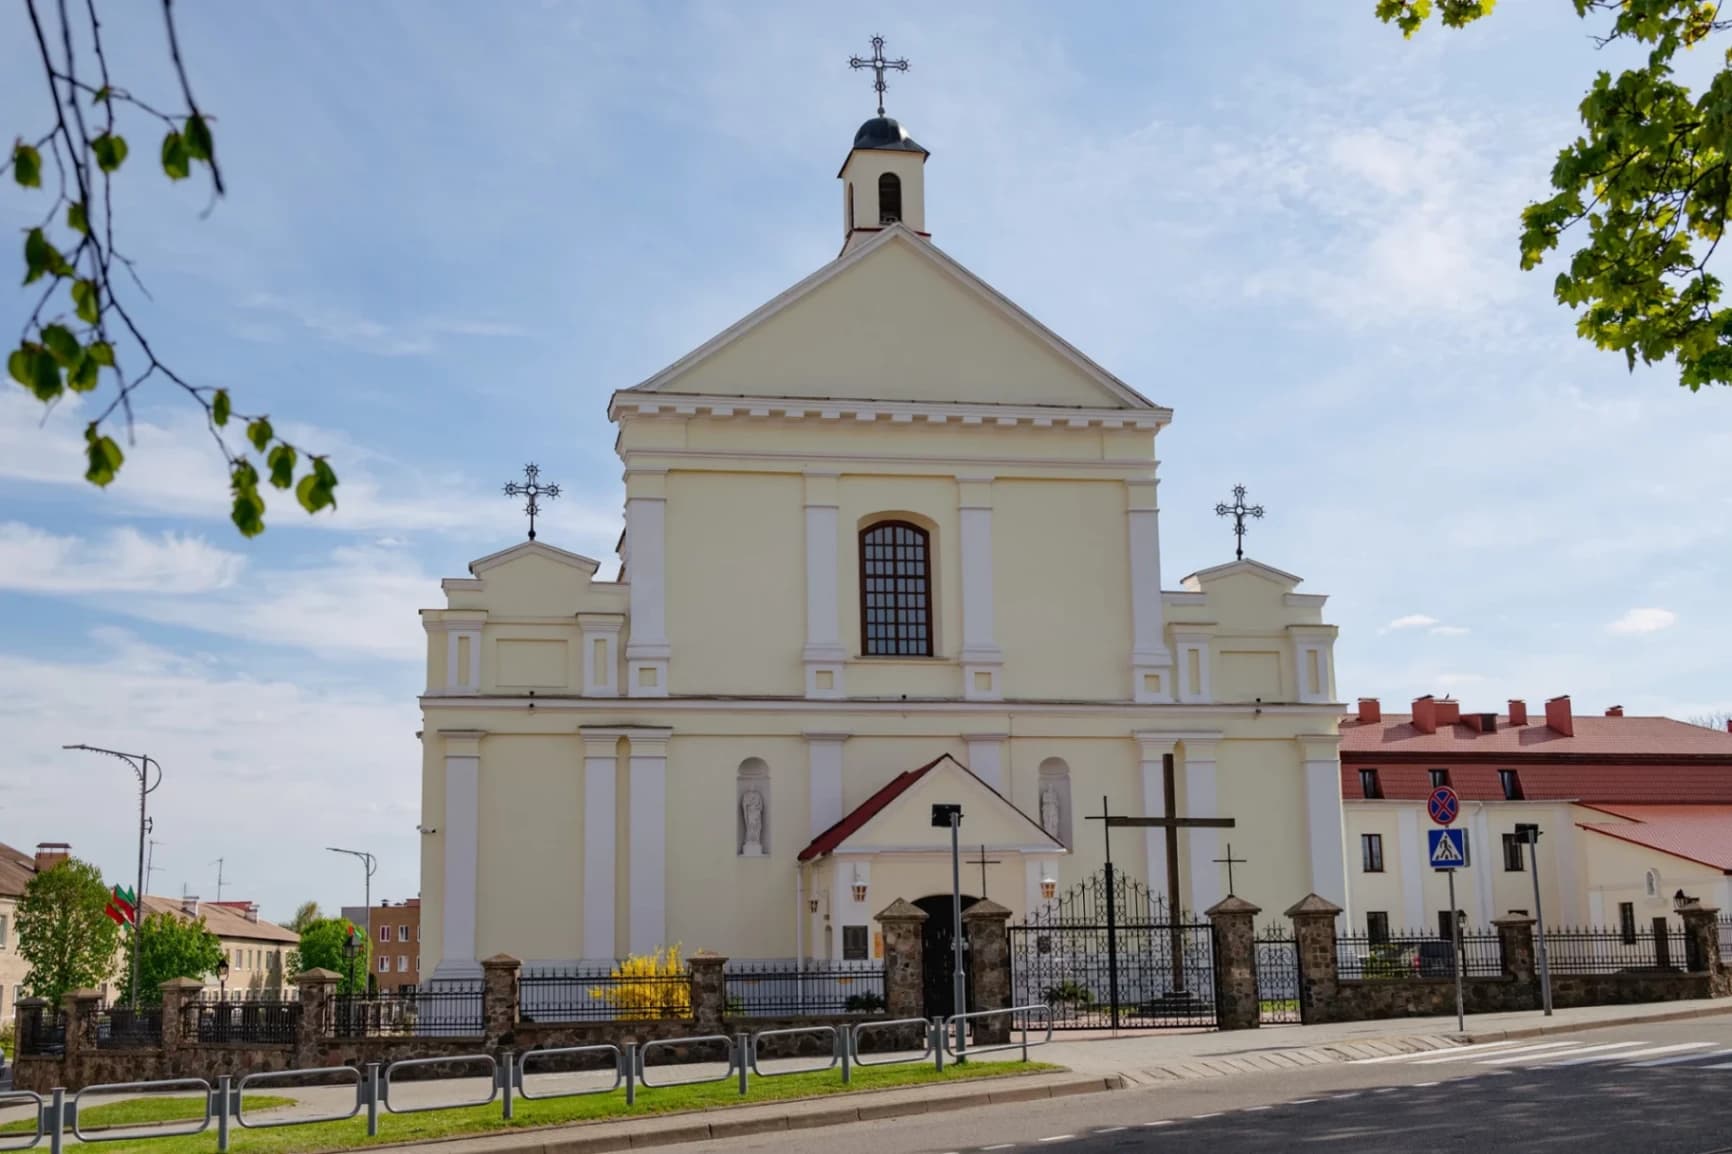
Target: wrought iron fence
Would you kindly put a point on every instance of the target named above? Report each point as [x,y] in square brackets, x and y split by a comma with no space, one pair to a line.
[257,1021]
[1726,940]
[1417,954]
[453,1009]
[778,989]
[124,1028]
[1277,975]
[240,996]
[1586,950]
[43,1035]
[603,994]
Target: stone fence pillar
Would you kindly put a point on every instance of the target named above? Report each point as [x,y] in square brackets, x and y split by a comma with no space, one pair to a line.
[1702,943]
[1319,968]
[709,991]
[499,999]
[180,998]
[1236,1002]
[27,1015]
[318,1014]
[989,968]
[1515,941]
[81,1007]
[901,923]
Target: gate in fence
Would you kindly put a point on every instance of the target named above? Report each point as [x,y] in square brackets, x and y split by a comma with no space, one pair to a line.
[1109,953]
[1277,975]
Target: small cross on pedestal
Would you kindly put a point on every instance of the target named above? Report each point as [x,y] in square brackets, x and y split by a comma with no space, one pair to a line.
[879,66]
[1230,861]
[531,488]
[1238,510]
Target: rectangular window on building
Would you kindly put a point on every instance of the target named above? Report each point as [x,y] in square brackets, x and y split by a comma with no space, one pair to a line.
[1371,849]
[384,964]
[1513,861]
[854,943]
[5,927]
[402,933]
[1377,926]
[1369,786]
[1439,777]
[417,963]
[1443,927]
[1512,784]
[402,963]
[384,933]
[1627,922]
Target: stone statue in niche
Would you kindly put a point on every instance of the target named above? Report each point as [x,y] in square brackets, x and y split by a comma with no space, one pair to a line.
[1049,810]
[752,810]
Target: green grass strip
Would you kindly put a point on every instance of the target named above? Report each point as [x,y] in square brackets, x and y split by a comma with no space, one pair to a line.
[145,1111]
[396,1128]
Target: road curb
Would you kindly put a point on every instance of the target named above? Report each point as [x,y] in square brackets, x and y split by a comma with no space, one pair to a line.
[682,1129]
[1543,1030]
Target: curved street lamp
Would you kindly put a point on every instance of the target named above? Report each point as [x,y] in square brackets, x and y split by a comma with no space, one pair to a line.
[149,773]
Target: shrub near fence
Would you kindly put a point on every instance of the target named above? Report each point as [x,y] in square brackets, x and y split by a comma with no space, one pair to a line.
[604,994]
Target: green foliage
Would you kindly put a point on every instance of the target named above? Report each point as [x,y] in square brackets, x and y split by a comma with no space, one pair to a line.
[868,1003]
[53,356]
[1649,177]
[305,915]
[1069,993]
[174,947]
[63,934]
[321,948]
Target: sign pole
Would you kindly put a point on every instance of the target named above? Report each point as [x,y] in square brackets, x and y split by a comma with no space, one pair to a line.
[1533,839]
[1112,918]
[1455,941]
[958,980]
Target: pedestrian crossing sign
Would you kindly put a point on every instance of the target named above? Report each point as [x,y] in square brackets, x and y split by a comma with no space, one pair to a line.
[1448,848]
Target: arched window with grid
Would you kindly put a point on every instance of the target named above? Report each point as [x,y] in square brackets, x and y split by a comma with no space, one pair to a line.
[895,590]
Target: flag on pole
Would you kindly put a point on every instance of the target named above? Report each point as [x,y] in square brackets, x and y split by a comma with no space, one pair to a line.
[122,907]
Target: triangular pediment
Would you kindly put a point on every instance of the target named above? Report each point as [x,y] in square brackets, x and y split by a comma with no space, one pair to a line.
[902,821]
[1244,567]
[896,320]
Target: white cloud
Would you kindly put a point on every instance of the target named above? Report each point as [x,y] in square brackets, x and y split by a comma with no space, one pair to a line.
[1638,621]
[1411,621]
[247,761]
[124,561]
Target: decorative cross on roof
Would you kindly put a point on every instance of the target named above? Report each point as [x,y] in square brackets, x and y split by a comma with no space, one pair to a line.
[1238,510]
[879,66]
[1230,861]
[532,489]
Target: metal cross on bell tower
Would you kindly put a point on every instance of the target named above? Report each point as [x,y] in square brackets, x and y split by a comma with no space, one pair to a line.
[879,66]
[1238,510]
[532,489]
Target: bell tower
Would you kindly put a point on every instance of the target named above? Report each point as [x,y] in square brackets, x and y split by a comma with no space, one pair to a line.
[883,179]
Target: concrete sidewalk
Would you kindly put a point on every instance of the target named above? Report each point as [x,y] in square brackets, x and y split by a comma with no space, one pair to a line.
[1146,1057]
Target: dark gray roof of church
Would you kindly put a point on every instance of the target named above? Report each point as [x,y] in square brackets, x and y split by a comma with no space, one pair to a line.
[882,132]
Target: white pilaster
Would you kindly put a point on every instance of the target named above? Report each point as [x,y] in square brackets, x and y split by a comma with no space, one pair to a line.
[1410,852]
[1483,860]
[1564,854]
[462,856]
[1325,824]
[1202,800]
[462,652]
[648,850]
[600,812]
[1151,661]
[600,653]
[824,779]
[823,655]
[1312,658]
[986,758]
[646,573]
[982,660]
[1154,749]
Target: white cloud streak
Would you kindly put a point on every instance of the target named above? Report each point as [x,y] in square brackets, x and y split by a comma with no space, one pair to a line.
[1642,621]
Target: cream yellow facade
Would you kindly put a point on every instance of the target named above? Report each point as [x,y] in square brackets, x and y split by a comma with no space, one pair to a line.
[612,766]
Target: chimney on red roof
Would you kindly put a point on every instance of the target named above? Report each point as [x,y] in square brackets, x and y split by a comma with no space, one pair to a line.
[1558,716]
[1614,711]
[1518,711]
[1448,711]
[1370,711]
[252,911]
[50,854]
[1425,714]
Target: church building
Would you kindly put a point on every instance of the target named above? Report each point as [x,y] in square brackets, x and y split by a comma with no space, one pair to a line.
[890,543]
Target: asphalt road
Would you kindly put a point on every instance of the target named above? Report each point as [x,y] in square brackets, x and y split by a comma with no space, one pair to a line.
[1656,1089]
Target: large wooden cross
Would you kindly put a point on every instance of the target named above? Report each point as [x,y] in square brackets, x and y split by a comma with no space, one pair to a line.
[1169,825]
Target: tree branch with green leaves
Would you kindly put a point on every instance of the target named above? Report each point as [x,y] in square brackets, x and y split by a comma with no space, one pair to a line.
[1649,178]
[82,335]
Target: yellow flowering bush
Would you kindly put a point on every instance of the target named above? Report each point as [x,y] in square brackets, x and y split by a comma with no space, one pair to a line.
[653,985]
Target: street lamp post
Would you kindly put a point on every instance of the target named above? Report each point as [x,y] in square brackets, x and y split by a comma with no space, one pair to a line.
[149,773]
[370,864]
[223,980]
[352,947]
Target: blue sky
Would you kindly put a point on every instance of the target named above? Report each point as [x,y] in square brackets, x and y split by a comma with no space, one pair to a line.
[453,229]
